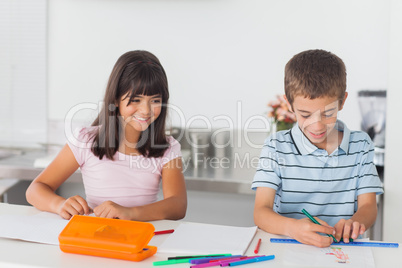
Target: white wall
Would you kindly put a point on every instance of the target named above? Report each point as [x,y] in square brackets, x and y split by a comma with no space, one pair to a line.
[392,173]
[215,52]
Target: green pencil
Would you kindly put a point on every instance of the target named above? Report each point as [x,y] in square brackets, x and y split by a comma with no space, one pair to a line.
[316,222]
[157,263]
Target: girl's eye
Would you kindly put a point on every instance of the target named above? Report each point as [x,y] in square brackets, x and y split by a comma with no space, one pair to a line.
[156,101]
[329,115]
[135,100]
[305,116]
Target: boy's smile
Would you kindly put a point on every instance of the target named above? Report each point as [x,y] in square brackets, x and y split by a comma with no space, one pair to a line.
[316,119]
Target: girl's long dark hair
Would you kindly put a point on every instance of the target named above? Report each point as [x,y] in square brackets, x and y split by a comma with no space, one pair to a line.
[135,73]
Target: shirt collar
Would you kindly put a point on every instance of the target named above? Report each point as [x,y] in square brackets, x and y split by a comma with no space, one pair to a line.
[346,136]
[304,146]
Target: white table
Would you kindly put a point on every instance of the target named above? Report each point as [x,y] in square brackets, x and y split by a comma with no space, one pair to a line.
[16,253]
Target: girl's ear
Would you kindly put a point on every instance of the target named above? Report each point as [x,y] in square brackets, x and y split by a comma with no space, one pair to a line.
[116,103]
[287,102]
[343,101]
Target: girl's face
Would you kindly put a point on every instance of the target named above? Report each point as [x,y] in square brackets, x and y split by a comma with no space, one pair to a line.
[141,111]
[317,117]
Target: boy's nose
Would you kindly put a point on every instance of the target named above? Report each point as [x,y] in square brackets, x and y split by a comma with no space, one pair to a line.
[318,125]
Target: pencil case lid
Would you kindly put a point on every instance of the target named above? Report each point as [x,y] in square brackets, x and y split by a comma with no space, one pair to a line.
[114,238]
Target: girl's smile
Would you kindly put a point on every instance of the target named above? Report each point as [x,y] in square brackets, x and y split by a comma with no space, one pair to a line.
[141,111]
[141,119]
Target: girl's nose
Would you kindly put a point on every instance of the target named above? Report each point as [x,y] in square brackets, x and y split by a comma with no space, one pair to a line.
[145,109]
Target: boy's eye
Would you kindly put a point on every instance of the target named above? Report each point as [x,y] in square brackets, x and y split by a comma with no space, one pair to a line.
[305,116]
[329,115]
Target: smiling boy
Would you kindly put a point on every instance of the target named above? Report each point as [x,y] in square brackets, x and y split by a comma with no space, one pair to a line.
[319,164]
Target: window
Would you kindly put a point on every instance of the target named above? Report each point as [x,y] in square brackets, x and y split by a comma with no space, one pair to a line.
[23,105]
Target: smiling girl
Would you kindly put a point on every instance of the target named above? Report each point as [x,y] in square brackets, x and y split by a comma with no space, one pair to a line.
[124,155]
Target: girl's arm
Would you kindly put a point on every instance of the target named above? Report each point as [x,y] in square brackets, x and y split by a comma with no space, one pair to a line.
[41,193]
[362,220]
[302,230]
[172,207]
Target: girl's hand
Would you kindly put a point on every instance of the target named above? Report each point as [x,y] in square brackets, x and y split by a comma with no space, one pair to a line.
[346,229]
[112,210]
[306,232]
[75,205]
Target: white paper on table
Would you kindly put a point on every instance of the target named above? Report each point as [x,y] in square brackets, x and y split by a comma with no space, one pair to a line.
[333,256]
[43,227]
[197,238]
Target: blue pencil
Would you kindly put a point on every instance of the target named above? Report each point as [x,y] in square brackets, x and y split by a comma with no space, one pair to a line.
[259,259]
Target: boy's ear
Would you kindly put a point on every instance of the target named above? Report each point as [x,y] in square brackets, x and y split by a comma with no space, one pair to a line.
[343,101]
[287,102]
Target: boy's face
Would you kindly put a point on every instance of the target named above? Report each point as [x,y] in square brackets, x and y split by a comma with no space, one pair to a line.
[317,117]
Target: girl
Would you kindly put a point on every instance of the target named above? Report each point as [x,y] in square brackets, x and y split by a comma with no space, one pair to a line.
[124,155]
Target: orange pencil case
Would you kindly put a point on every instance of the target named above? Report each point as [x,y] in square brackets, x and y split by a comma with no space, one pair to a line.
[111,238]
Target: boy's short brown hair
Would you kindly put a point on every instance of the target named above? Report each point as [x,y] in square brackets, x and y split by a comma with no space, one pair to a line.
[314,74]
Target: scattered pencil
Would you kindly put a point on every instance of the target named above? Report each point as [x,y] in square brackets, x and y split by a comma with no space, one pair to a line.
[164,232]
[257,248]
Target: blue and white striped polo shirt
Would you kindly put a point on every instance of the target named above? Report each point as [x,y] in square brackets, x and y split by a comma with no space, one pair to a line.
[305,176]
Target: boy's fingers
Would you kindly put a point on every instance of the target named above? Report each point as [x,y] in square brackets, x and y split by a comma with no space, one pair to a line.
[346,233]
[323,229]
[356,230]
[362,229]
[338,232]
[322,241]
[339,228]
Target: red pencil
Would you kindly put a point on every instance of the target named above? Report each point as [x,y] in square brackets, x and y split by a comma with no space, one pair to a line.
[164,232]
[258,246]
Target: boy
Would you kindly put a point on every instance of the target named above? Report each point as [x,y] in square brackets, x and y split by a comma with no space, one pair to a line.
[319,164]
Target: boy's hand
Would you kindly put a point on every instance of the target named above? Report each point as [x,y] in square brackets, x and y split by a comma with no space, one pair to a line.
[347,229]
[306,232]
[112,210]
[75,205]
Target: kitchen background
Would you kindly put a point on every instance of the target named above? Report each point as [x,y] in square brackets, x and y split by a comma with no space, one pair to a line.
[224,61]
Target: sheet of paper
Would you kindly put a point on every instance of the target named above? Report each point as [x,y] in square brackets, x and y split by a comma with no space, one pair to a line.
[43,227]
[333,256]
[197,238]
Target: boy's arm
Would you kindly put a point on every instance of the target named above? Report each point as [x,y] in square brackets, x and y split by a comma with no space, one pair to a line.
[302,230]
[362,220]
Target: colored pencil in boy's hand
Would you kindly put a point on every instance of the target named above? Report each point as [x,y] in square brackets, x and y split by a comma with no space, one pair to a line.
[316,222]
